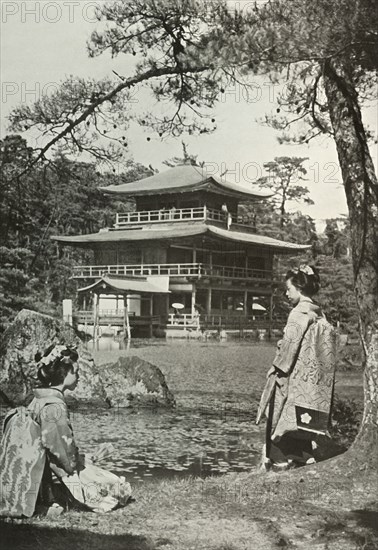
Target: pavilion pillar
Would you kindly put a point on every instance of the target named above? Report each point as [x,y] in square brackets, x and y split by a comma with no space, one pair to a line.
[208,300]
[95,317]
[245,303]
[151,314]
[194,254]
[193,299]
[270,315]
[85,313]
[126,320]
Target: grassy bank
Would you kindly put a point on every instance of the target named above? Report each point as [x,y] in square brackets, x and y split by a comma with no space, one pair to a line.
[319,507]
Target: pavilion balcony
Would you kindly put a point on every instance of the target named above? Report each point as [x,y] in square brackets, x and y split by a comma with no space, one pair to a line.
[201,213]
[212,321]
[191,270]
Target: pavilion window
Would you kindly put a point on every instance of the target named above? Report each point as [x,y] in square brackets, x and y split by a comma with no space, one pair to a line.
[129,257]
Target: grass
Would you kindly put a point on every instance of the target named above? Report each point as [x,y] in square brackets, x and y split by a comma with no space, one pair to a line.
[321,507]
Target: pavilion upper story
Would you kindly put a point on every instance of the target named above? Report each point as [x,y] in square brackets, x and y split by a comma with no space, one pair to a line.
[185,224]
[184,193]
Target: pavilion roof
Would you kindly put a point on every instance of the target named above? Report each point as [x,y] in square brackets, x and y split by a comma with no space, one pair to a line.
[170,231]
[138,285]
[186,178]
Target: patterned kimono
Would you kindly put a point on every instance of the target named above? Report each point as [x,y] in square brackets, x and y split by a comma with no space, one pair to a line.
[37,446]
[36,441]
[303,381]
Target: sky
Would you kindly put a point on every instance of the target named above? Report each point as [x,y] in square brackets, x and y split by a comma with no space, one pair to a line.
[43,42]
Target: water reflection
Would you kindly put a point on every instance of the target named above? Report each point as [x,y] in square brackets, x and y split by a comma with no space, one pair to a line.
[212,431]
[155,444]
[216,385]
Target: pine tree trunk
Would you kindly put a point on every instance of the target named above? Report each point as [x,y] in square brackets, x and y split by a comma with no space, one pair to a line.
[361,190]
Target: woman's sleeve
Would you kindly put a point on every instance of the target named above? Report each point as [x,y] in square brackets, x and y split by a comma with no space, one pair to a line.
[286,355]
[57,437]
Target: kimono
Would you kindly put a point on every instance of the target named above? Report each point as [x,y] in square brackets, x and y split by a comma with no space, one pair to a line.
[37,441]
[39,455]
[301,386]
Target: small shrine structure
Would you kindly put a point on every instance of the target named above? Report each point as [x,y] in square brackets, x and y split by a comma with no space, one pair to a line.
[185,243]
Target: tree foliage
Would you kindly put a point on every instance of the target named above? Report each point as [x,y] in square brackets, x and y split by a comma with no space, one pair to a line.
[282,178]
[166,44]
[271,216]
[62,198]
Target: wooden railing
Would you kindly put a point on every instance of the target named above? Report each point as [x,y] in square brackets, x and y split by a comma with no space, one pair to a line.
[174,214]
[93,271]
[154,216]
[114,317]
[220,320]
[233,272]
[177,270]
[184,319]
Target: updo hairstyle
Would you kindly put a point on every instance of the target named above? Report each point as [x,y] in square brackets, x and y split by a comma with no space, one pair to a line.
[306,279]
[54,364]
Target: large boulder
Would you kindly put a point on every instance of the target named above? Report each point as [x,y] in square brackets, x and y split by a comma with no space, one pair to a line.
[132,381]
[129,382]
[30,332]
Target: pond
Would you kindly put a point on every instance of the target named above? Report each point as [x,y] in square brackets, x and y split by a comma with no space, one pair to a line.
[217,386]
[212,431]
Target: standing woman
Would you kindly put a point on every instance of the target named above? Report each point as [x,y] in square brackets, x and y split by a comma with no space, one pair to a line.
[299,389]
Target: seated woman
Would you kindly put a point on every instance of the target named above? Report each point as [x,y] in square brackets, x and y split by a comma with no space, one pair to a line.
[39,459]
[299,389]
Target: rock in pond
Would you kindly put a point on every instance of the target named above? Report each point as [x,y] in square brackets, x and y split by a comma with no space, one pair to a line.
[131,381]
[128,382]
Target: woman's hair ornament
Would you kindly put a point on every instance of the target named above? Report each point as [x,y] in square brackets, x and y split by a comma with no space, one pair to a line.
[54,364]
[306,269]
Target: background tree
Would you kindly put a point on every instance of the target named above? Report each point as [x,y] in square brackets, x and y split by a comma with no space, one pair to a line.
[17,284]
[271,217]
[283,175]
[337,235]
[337,294]
[60,198]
